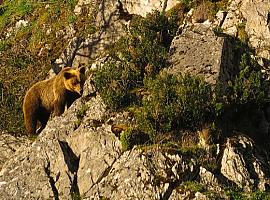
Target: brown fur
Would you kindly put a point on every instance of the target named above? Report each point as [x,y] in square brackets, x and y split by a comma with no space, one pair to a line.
[51,96]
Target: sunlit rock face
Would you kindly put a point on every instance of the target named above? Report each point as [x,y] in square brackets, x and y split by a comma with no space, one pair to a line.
[253,16]
[142,7]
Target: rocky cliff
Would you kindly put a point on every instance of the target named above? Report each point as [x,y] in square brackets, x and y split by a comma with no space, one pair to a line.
[79,157]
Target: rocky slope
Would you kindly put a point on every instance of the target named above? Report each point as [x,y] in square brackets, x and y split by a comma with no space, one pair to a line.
[81,158]
[88,162]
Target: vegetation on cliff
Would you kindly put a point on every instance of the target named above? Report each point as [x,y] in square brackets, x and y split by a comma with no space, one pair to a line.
[135,78]
[32,35]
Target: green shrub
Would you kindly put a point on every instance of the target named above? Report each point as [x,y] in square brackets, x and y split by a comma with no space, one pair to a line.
[238,194]
[192,186]
[114,81]
[80,115]
[241,32]
[71,3]
[154,27]
[13,87]
[131,137]
[238,103]
[72,19]
[3,45]
[259,195]
[248,88]
[204,11]
[235,194]
[24,7]
[125,139]
[176,16]
[175,103]
[82,111]
[141,53]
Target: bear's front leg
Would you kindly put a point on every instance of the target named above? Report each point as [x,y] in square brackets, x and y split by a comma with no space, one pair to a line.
[59,107]
[30,124]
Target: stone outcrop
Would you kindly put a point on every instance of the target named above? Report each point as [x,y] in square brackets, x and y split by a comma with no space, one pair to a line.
[61,161]
[86,159]
[109,29]
[242,164]
[139,174]
[199,51]
[253,16]
[142,7]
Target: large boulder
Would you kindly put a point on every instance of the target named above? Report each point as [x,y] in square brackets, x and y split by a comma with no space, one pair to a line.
[65,160]
[70,160]
[140,174]
[199,51]
[245,165]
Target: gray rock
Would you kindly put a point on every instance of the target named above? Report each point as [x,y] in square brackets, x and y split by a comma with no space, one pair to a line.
[57,164]
[142,7]
[89,162]
[254,16]
[243,165]
[9,145]
[109,28]
[208,178]
[198,51]
[139,174]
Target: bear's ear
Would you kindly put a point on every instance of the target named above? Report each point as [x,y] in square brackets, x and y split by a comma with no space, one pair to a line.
[82,70]
[68,75]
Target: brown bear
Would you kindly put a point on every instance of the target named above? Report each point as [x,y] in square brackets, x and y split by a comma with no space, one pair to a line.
[51,96]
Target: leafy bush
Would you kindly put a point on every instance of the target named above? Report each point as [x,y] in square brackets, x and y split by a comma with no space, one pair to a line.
[115,81]
[170,103]
[3,45]
[125,139]
[235,194]
[175,103]
[192,186]
[239,102]
[155,27]
[259,195]
[131,137]
[248,88]
[141,53]
[241,32]
[80,115]
[239,194]
[204,11]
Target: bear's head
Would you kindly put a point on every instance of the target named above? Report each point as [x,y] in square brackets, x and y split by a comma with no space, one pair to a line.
[74,79]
